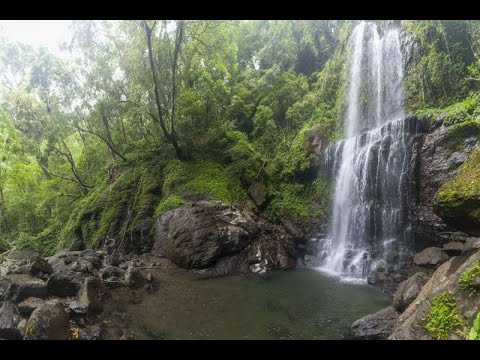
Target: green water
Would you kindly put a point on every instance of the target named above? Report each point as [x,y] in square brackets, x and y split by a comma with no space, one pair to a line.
[299,304]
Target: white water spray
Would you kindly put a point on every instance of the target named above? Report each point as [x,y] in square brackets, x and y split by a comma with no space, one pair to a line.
[368,217]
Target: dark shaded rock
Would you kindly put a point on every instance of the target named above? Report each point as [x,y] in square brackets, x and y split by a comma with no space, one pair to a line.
[408,290]
[94,260]
[455,236]
[258,192]
[39,264]
[92,332]
[293,229]
[471,243]
[196,236]
[436,164]
[114,259]
[89,297]
[228,265]
[377,278]
[134,278]
[89,253]
[64,284]
[453,248]
[82,266]
[27,306]
[22,269]
[317,142]
[112,271]
[58,264]
[48,322]
[22,286]
[9,320]
[376,326]
[430,257]
[77,245]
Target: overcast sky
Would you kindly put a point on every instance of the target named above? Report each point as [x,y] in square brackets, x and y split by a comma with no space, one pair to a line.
[49,33]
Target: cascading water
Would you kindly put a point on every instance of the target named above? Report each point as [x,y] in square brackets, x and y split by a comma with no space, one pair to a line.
[368,223]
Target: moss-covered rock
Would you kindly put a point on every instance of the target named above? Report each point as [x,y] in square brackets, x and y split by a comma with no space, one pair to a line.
[456,135]
[443,318]
[458,201]
[169,203]
[203,177]
[470,279]
[48,322]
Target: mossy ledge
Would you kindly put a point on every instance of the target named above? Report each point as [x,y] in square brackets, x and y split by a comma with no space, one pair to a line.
[458,201]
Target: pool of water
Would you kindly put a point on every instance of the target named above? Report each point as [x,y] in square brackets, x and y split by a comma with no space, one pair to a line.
[298,304]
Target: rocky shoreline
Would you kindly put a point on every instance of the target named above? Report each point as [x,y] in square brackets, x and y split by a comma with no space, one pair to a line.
[61,297]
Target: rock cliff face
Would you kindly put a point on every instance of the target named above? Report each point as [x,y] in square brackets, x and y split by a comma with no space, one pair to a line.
[445,216]
[437,164]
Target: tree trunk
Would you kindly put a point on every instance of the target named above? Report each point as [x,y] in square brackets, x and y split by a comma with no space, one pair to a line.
[169,136]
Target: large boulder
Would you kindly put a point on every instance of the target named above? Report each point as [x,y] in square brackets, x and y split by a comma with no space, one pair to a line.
[39,265]
[48,322]
[376,326]
[453,248]
[65,283]
[112,272]
[9,320]
[198,235]
[89,296]
[408,290]
[22,286]
[134,278]
[92,332]
[430,257]
[27,306]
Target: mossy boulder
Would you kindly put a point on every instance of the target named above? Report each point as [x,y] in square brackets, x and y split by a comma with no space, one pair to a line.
[375,326]
[23,286]
[48,322]
[458,201]
[408,290]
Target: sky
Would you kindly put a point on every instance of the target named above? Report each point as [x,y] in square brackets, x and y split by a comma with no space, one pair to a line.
[49,33]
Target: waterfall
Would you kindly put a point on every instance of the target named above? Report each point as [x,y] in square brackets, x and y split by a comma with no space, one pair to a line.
[368,225]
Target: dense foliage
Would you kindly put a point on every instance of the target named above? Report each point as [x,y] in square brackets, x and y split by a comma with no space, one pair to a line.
[145,116]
